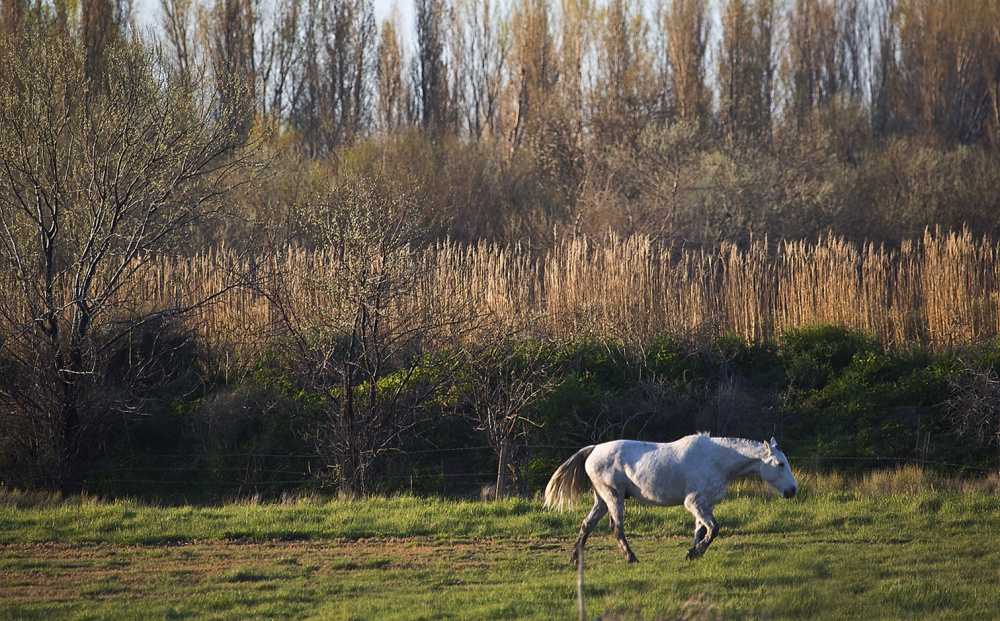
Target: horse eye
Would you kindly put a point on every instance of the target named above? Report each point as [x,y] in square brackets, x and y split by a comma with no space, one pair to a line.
[781,465]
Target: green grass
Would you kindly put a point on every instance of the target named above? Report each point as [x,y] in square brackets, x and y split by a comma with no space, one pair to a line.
[838,551]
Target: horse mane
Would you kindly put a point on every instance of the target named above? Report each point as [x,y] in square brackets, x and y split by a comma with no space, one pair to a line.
[750,448]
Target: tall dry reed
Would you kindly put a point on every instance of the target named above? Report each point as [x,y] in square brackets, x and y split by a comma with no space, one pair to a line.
[940,290]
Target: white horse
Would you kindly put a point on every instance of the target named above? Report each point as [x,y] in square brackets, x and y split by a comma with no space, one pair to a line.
[694,471]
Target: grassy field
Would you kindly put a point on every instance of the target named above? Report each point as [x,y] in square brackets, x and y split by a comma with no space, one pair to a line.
[840,550]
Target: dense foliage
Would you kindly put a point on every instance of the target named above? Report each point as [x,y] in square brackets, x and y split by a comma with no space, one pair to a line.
[836,400]
[236,135]
[512,120]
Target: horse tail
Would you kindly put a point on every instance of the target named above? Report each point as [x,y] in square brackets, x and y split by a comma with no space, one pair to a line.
[568,481]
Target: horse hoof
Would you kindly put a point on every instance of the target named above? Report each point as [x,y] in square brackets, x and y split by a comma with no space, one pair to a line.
[692,554]
[631,559]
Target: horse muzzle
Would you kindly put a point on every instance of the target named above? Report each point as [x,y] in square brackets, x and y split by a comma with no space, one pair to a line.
[790,493]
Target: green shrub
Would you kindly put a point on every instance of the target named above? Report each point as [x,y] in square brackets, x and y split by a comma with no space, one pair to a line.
[878,410]
[812,355]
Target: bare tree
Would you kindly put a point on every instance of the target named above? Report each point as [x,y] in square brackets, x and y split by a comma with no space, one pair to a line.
[574,46]
[945,47]
[430,69]
[535,67]
[392,92]
[100,22]
[279,52]
[974,404]
[232,52]
[854,40]
[333,94]
[502,383]
[884,68]
[687,27]
[366,358]
[92,183]
[11,14]
[484,53]
[349,42]
[746,68]
[666,158]
[306,113]
[625,90]
[991,72]
[176,19]
[811,65]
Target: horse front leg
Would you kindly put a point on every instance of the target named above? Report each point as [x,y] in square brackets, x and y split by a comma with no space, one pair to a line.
[706,528]
[703,538]
[700,530]
[589,522]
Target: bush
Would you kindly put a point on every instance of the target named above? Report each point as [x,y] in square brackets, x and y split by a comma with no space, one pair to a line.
[812,355]
[881,409]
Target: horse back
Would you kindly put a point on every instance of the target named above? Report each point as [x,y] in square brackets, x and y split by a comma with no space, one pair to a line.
[650,472]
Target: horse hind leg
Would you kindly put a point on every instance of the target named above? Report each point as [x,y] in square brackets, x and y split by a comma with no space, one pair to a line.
[596,513]
[616,510]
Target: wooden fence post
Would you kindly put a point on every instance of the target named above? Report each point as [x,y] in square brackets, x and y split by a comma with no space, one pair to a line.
[502,472]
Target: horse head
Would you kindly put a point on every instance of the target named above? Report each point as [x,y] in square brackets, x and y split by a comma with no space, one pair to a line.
[776,472]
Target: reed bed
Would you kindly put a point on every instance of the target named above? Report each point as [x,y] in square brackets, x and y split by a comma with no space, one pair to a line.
[940,291]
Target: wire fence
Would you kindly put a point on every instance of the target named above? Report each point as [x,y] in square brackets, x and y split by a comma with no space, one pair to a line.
[447,473]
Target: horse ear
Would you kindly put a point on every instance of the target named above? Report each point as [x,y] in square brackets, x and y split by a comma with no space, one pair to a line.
[773,445]
[768,447]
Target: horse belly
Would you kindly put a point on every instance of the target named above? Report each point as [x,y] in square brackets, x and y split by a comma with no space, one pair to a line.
[658,487]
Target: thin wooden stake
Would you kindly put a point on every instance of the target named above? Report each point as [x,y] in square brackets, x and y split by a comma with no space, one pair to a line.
[579,583]
[501,490]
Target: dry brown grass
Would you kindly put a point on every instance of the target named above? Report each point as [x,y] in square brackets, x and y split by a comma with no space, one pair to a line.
[901,480]
[940,290]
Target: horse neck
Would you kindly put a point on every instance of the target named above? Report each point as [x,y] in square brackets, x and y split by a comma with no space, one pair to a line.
[743,456]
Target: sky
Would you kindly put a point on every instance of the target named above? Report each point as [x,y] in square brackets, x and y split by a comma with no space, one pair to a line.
[385,8]
[403,9]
